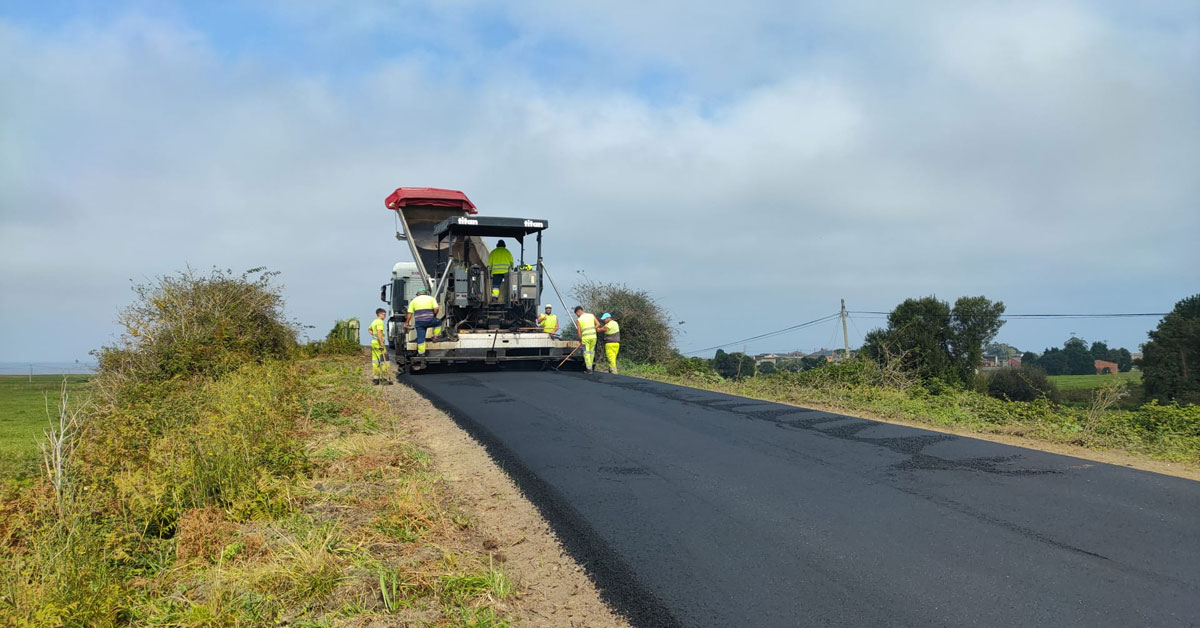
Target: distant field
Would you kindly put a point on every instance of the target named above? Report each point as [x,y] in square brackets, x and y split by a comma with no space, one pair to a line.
[23,416]
[1083,382]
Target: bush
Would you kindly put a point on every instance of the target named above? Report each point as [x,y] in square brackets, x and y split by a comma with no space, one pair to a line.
[683,367]
[1172,419]
[343,339]
[190,324]
[647,336]
[1171,361]
[1020,384]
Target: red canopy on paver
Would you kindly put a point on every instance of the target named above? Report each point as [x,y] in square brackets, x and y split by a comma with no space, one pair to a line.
[436,197]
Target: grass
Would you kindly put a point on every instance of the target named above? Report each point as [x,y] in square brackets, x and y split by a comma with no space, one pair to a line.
[23,417]
[280,493]
[1163,432]
[1086,382]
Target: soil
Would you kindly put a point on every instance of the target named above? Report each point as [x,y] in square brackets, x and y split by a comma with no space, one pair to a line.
[553,590]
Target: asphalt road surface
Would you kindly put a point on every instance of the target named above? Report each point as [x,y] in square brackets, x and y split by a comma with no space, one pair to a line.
[693,508]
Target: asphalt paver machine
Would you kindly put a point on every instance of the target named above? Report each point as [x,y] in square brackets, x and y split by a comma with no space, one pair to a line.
[445,235]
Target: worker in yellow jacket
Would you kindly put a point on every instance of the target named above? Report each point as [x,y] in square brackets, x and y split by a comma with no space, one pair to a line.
[500,262]
[379,361]
[612,339]
[586,324]
[548,321]
[422,314]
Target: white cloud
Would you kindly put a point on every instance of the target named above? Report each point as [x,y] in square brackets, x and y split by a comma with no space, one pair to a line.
[1040,154]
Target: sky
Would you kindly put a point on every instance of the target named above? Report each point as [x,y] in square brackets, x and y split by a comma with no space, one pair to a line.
[749,164]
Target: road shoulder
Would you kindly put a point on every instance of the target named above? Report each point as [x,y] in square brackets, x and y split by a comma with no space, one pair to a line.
[553,589]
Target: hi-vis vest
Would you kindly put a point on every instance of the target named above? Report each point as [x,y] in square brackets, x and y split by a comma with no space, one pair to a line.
[587,325]
[500,260]
[549,322]
[421,307]
[614,331]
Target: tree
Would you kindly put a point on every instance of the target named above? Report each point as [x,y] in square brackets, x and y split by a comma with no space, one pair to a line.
[1122,357]
[647,335]
[1053,361]
[810,362]
[1171,359]
[1079,358]
[974,322]
[932,340]
[918,335]
[1099,351]
[767,368]
[1029,358]
[733,365]
[1003,350]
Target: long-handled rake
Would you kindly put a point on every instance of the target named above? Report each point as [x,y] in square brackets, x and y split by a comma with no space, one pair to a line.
[568,357]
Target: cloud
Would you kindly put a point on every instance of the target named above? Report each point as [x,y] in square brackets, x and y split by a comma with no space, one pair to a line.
[1039,154]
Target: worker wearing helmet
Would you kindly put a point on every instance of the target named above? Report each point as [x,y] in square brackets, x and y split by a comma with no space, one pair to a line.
[500,261]
[548,321]
[422,314]
[379,364]
[612,339]
[586,324]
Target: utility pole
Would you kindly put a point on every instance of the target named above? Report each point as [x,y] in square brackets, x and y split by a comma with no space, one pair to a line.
[845,333]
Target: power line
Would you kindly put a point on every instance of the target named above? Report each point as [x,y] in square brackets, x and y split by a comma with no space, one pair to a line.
[769,334]
[1042,316]
[870,314]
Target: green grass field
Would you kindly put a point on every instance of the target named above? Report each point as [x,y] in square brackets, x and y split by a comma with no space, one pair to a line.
[23,417]
[1084,382]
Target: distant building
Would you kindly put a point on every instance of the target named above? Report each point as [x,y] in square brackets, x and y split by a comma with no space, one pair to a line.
[990,362]
[773,358]
[1013,363]
[1104,366]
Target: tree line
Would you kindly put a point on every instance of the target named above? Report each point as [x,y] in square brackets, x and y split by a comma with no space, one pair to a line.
[1076,358]
[927,338]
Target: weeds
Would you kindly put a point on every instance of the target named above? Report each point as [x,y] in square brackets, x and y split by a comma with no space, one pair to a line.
[217,479]
[1168,432]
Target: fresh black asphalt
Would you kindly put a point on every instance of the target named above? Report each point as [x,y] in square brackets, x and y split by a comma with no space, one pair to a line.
[693,508]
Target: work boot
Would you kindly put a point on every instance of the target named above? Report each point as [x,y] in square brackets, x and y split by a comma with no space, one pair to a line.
[376,381]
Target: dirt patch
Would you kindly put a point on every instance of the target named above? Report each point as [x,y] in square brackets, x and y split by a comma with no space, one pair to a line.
[552,589]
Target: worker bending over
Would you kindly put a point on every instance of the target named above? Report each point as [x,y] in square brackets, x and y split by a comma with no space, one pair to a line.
[379,364]
[612,339]
[500,261]
[548,321]
[587,336]
[422,314]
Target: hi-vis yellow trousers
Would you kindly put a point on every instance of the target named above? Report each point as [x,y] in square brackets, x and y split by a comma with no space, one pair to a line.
[379,365]
[589,351]
[610,352]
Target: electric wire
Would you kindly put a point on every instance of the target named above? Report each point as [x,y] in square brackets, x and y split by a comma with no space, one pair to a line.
[770,334]
[874,314]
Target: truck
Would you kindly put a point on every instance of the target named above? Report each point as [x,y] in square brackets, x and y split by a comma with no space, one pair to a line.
[479,325]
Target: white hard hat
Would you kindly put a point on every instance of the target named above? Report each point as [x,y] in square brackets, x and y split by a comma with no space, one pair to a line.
[548,305]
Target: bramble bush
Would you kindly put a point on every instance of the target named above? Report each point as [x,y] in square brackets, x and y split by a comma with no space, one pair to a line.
[1170,432]
[1020,384]
[194,324]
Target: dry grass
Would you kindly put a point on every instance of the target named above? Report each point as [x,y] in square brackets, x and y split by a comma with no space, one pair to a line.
[348,527]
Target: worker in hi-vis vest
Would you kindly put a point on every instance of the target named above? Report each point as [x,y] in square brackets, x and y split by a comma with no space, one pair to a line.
[548,321]
[612,339]
[500,261]
[379,364]
[422,314]
[586,324]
